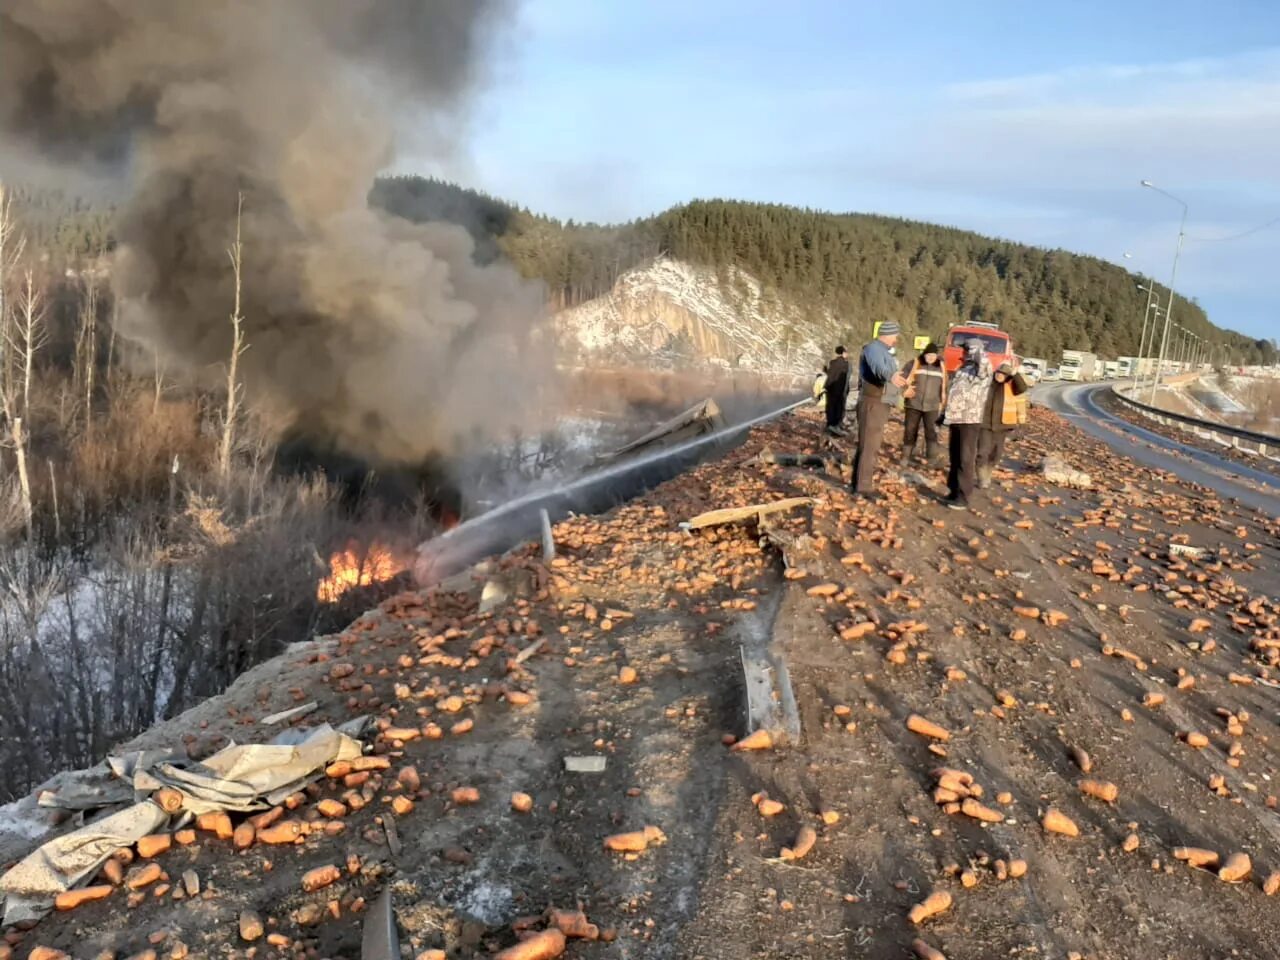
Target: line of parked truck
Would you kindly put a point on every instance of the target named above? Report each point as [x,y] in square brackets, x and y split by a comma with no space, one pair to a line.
[1075,365]
[1079,365]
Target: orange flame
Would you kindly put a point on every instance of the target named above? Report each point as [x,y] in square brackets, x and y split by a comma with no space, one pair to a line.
[349,569]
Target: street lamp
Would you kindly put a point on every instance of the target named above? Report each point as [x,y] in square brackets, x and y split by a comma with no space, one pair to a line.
[1173,276]
[1146,315]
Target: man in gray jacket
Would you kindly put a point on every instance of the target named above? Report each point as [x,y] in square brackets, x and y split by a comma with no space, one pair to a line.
[877,371]
[966,402]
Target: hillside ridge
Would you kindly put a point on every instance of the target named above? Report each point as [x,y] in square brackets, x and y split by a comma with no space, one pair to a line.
[839,271]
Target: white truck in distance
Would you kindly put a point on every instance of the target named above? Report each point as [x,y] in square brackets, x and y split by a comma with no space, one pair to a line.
[1033,368]
[1077,365]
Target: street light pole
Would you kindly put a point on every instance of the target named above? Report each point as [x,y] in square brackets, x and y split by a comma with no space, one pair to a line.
[1146,315]
[1173,276]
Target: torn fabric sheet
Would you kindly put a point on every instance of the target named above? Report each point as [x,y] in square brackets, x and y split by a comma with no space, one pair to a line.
[64,861]
[240,777]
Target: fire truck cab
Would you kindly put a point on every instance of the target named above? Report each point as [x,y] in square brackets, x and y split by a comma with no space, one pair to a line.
[998,343]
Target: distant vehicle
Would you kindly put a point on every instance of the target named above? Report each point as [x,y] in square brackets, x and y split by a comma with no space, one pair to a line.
[1033,368]
[1111,369]
[1137,366]
[1077,365]
[998,344]
[1053,373]
[1125,366]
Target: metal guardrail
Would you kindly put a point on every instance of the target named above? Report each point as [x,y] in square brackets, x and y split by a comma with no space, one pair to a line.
[1261,440]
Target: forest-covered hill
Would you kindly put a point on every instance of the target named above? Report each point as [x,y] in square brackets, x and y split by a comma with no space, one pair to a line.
[853,268]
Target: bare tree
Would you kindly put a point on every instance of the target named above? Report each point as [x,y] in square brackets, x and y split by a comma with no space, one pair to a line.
[159,385]
[87,342]
[238,346]
[12,244]
[25,335]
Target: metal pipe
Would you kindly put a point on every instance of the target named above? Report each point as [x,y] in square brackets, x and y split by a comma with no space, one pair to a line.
[521,519]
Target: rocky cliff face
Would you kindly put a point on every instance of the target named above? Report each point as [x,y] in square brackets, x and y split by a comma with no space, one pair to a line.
[671,314]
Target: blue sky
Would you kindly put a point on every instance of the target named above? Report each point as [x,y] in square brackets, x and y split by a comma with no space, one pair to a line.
[1028,121]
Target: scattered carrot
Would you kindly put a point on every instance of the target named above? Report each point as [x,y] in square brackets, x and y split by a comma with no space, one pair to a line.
[926,952]
[935,903]
[858,630]
[1081,759]
[243,836]
[972,808]
[634,841]
[541,946]
[217,823]
[320,877]
[770,808]
[1057,822]
[574,923]
[169,799]
[286,831]
[927,728]
[756,740]
[1236,869]
[70,899]
[1100,790]
[805,840]
[154,844]
[1196,856]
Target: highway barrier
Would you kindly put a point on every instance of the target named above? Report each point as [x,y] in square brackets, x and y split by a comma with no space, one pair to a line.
[1241,439]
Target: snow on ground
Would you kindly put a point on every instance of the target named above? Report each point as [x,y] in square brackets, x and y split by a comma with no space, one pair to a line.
[677,311]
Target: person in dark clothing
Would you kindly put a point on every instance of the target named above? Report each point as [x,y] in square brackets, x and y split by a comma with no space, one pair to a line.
[923,397]
[1002,414]
[966,400]
[877,375]
[837,388]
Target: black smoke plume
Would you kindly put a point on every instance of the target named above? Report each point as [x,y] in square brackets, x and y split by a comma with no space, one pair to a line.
[381,336]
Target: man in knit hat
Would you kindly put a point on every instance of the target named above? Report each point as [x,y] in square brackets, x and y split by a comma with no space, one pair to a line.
[877,372]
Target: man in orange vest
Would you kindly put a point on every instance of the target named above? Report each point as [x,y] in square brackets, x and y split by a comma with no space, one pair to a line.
[1000,417]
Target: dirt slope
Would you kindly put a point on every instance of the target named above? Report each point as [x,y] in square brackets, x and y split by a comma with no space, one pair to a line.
[630,590]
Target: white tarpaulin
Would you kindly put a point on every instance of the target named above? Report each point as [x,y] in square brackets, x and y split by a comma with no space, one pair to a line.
[241,777]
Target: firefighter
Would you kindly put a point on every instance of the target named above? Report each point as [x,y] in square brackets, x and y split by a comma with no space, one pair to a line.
[923,397]
[1006,408]
[837,389]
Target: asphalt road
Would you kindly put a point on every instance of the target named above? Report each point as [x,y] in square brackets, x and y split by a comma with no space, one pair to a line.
[1076,402]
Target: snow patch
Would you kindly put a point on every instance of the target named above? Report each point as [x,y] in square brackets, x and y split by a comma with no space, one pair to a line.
[18,819]
[671,312]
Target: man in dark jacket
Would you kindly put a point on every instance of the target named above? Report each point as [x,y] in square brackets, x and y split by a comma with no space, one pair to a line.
[1000,417]
[837,392]
[923,397]
[877,376]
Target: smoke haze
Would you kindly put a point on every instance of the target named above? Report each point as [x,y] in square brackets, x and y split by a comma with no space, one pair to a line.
[381,335]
